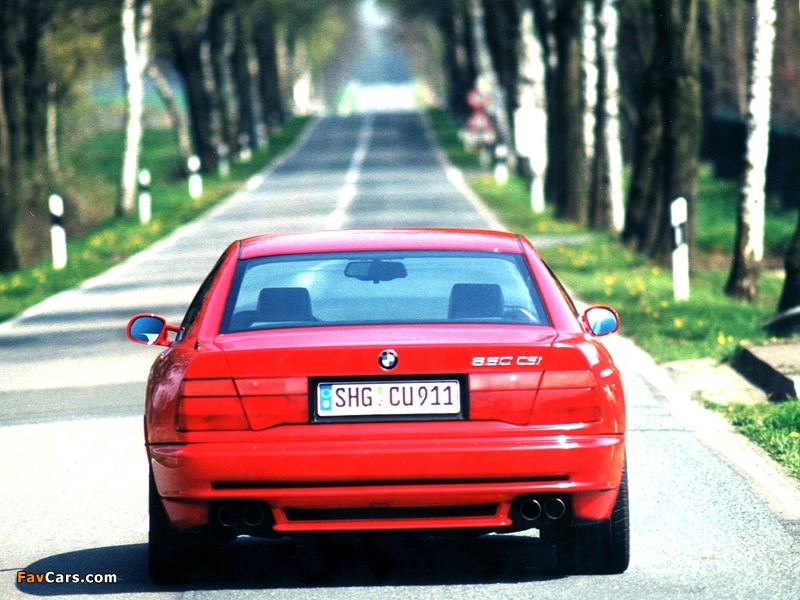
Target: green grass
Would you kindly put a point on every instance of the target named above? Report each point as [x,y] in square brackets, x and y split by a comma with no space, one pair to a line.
[774,427]
[117,239]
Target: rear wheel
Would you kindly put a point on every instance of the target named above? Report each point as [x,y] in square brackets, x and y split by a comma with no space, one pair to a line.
[172,555]
[601,549]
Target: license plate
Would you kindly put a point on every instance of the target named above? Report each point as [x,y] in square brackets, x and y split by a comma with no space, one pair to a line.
[388,398]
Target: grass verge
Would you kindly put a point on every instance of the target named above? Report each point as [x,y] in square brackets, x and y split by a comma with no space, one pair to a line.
[774,427]
[117,239]
[709,324]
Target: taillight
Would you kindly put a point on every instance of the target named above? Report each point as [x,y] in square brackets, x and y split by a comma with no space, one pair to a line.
[506,397]
[274,401]
[208,405]
[258,403]
[567,397]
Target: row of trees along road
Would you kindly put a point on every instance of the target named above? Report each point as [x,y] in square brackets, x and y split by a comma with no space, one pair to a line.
[602,79]
[237,62]
[683,63]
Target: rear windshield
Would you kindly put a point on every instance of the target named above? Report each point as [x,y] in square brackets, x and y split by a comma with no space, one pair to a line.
[364,288]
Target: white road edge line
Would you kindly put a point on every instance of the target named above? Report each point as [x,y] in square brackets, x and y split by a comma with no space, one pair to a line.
[336,219]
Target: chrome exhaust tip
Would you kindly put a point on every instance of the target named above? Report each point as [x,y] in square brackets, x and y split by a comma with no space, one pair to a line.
[228,516]
[253,515]
[530,509]
[555,508]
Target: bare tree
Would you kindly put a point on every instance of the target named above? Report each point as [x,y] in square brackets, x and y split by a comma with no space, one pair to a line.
[749,249]
[136,29]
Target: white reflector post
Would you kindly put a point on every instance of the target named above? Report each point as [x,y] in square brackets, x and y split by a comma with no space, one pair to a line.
[679,212]
[145,201]
[501,164]
[58,237]
[195,180]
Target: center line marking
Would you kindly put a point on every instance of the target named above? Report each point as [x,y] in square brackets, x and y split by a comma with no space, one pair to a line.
[336,219]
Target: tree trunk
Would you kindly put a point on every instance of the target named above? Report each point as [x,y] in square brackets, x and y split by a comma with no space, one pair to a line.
[606,210]
[186,53]
[591,69]
[8,202]
[790,295]
[180,125]
[530,119]
[457,56]
[668,137]
[220,35]
[214,112]
[245,90]
[284,61]
[749,248]
[136,23]
[648,166]
[613,196]
[52,128]
[269,84]
[572,201]
[486,71]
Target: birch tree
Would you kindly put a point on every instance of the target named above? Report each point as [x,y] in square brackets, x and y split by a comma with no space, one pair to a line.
[745,272]
[136,28]
[592,89]
[530,120]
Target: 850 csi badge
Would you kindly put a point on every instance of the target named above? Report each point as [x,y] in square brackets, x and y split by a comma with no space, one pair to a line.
[388,359]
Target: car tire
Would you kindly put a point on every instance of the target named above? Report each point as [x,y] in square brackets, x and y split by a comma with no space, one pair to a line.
[603,548]
[172,555]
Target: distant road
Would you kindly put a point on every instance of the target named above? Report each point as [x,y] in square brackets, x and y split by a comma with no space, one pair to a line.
[73,471]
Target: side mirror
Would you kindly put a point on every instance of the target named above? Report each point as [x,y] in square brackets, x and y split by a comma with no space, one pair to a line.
[150,330]
[601,320]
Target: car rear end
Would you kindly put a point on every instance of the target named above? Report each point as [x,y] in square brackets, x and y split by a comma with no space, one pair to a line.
[416,402]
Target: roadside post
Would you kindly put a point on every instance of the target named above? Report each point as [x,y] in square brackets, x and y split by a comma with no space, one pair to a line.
[245,152]
[501,164]
[58,237]
[679,212]
[145,201]
[224,162]
[195,179]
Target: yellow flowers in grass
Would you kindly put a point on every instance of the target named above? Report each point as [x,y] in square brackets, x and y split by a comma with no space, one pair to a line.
[794,434]
[722,339]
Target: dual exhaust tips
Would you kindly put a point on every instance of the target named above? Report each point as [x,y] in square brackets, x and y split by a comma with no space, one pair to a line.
[238,514]
[531,509]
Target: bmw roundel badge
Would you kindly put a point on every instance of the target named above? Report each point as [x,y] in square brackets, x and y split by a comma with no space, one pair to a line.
[388,359]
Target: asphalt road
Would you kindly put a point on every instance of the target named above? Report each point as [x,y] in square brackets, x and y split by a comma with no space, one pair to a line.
[73,471]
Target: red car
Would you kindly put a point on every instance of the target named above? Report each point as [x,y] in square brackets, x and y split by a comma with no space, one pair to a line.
[382,380]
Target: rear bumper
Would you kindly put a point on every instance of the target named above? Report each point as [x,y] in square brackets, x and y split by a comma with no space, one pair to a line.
[301,475]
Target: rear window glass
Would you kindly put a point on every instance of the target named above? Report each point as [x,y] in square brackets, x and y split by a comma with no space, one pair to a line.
[362,288]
